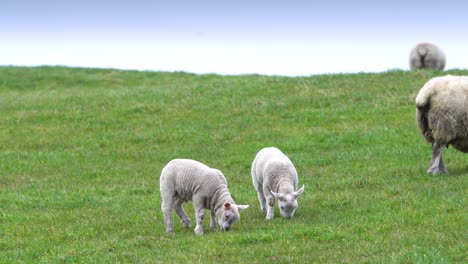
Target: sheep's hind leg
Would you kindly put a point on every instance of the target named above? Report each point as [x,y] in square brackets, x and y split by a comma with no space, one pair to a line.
[442,167]
[181,213]
[166,208]
[436,161]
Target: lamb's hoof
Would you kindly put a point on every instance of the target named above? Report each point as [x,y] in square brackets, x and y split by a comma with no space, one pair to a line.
[169,231]
[270,217]
[187,224]
[199,231]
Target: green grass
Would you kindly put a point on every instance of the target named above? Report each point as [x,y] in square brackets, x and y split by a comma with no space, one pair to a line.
[81,151]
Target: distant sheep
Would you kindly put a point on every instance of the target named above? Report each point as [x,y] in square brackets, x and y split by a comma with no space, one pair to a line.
[274,176]
[185,180]
[442,116]
[427,56]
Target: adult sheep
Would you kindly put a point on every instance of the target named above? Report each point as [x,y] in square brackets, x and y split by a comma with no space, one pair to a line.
[274,176]
[442,116]
[185,180]
[427,56]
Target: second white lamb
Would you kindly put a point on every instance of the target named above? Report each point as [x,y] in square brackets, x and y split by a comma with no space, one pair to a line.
[274,176]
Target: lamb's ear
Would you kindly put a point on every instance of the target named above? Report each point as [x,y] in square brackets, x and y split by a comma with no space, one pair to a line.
[299,192]
[277,195]
[242,207]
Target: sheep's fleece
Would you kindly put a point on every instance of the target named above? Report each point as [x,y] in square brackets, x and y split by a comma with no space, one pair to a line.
[274,176]
[185,180]
[442,116]
[427,56]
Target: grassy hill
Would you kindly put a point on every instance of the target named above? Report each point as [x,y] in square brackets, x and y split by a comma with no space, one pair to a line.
[81,151]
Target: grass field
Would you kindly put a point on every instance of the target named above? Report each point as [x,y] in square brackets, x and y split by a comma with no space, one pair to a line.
[81,151]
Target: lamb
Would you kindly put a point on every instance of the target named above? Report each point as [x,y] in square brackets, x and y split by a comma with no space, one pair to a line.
[442,116]
[427,56]
[274,176]
[185,180]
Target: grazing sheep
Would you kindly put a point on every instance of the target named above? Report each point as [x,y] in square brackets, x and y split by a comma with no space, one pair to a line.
[185,180]
[274,176]
[427,56]
[442,116]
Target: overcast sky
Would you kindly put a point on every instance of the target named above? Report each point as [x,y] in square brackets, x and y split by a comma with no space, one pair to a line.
[231,37]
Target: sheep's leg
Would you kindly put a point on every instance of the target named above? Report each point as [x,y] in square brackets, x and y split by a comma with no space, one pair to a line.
[184,219]
[166,208]
[270,202]
[213,220]
[436,158]
[199,216]
[442,167]
[261,198]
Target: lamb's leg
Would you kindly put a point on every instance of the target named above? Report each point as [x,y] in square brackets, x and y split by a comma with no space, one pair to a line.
[270,203]
[436,158]
[199,216]
[261,198]
[213,220]
[184,219]
[166,208]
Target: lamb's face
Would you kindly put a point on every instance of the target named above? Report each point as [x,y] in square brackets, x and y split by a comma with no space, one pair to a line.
[228,214]
[287,204]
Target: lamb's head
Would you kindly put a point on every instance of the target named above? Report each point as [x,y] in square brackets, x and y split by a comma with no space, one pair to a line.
[287,202]
[228,214]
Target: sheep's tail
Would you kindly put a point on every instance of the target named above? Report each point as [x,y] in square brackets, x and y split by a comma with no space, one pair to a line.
[423,123]
[423,49]
[422,109]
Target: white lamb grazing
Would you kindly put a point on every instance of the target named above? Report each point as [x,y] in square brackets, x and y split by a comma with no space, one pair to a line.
[427,56]
[274,176]
[442,116]
[185,180]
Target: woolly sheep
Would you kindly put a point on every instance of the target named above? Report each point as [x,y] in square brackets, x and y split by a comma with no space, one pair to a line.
[185,180]
[274,176]
[427,56]
[442,116]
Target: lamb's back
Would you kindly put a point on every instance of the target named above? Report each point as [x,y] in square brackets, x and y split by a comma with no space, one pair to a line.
[188,177]
[270,164]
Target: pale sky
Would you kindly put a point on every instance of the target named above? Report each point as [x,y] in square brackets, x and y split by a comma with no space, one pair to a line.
[293,38]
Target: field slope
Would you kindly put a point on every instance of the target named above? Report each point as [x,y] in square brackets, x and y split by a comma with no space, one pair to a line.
[81,151]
